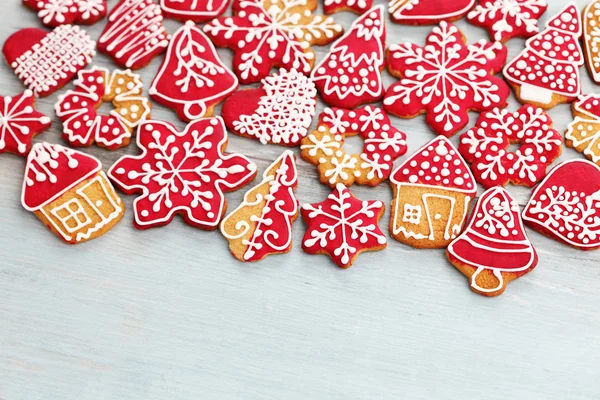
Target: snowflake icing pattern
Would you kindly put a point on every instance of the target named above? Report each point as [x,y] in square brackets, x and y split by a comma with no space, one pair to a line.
[58,12]
[446,79]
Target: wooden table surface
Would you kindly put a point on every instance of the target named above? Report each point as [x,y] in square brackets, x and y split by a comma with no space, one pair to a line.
[169,314]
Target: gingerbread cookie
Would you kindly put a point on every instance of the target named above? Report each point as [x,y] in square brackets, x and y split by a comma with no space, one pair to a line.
[591,38]
[53,13]
[566,205]
[494,248]
[272,33]
[182,173]
[546,73]
[69,193]
[192,79]
[507,19]
[423,12]
[262,224]
[19,123]
[432,192]
[280,111]
[355,6]
[193,10]
[46,61]
[343,226]
[486,146]
[350,74]
[134,34]
[383,143]
[446,79]
[583,134]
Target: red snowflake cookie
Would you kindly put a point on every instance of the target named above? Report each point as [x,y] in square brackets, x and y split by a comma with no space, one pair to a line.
[272,33]
[421,12]
[446,79]
[486,146]
[566,205]
[59,12]
[134,34]
[343,226]
[192,78]
[194,10]
[350,74]
[19,123]
[46,61]
[181,173]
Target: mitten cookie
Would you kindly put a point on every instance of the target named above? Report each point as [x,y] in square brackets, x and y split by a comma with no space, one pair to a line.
[591,38]
[53,13]
[583,134]
[355,6]
[193,10]
[423,12]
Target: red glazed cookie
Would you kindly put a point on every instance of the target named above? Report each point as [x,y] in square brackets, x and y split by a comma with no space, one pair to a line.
[134,34]
[350,74]
[422,12]
[192,79]
[546,73]
[494,249]
[46,61]
[77,108]
[262,224]
[53,13]
[343,226]
[591,38]
[566,205]
[355,6]
[280,111]
[193,10]
[272,33]
[486,146]
[445,79]
[583,134]
[383,144]
[181,173]
[20,123]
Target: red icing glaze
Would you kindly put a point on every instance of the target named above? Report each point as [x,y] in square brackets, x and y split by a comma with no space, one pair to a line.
[446,79]
[181,173]
[193,10]
[589,104]
[53,13]
[343,226]
[20,123]
[355,6]
[420,12]
[486,146]
[566,205]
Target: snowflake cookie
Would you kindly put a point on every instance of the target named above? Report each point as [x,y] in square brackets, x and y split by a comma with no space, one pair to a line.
[446,79]
[432,192]
[355,6]
[46,61]
[19,123]
[546,73]
[591,38]
[343,226]
[350,74]
[280,111]
[77,108]
[494,248]
[566,205]
[134,34]
[383,143]
[181,173]
[583,134]
[507,19]
[262,224]
[422,12]
[272,33]
[193,10]
[192,79]
[486,146]
[53,13]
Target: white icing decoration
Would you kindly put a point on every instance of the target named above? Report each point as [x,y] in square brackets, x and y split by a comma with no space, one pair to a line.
[56,10]
[398,8]
[584,132]
[14,120]
[194,9]
[359,5]
[591,40]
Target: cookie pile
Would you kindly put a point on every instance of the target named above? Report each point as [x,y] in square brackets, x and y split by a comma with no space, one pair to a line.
[187,172]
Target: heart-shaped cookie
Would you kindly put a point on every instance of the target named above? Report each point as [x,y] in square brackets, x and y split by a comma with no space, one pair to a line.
[566,205]
[419,12]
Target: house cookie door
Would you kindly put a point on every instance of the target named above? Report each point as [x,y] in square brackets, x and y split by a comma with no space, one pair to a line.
[439,211]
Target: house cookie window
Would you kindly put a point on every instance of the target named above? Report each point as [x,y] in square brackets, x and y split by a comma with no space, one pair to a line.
[72,215]
[412,214]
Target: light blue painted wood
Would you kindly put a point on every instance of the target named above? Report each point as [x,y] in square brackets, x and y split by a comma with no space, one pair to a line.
[168,314]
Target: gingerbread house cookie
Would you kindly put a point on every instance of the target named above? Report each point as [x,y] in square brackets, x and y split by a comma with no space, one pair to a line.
[583,134]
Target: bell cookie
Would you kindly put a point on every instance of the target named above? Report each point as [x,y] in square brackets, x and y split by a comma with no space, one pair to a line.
[350,74]
[272,33]
[193,10]
[583,134]
[77,108]
[546,73]
[192,79]
[432,191]
[343,226]
[383,144]
[591,38]
[68,191]
[355,6]
[494,248]
[182,173]
[280,111]
[262,224]
[53,13]
[446,79]
[424,12]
